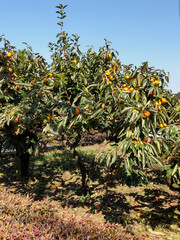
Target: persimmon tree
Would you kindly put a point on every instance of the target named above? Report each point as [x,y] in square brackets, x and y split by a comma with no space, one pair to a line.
[145,133]
[129,104]
[21,101]
[81,92]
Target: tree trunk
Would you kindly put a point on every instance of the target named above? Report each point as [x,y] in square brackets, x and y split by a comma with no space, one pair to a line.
[1,143]
[23,161]
[24,167]
[83,172]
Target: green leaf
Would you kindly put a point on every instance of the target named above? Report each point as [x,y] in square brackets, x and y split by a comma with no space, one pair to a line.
[134,74]
[114,158]
[125,146]
[175,169]
[165,145]
[158,145]
[108,159]
[143,160]
[149,162]
[30,150]
[98,112]
[101,157]
[157,160]
[126,109]
[53,127]
[153,149]
[133,117]
[129,113]
[168,170]
[127,165]
[145,132]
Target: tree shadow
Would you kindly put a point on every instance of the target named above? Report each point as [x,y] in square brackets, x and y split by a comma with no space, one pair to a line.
[44,172]
[49,174]
[7,171]
[158,207]
[57,177]
[114,207]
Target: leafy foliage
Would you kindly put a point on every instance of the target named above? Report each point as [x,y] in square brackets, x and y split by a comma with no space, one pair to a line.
[82,92]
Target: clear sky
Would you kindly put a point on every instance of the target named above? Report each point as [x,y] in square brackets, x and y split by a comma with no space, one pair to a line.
[140,30]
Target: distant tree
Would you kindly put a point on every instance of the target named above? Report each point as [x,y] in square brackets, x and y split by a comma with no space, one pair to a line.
[177,95]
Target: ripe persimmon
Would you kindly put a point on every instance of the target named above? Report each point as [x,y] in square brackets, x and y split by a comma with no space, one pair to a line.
[10,70]
[147,114]
[76,112]
[152,79]
[16,120]
[110,77]
[163,100]
[144,140]
[107,73]
[45,80]
[102,105]
[108,56]
[50,75]
[8,56]
[156,82]
[131,89]
[89,109]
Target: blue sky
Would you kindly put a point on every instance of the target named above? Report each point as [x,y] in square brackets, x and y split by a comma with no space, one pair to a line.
[140,30]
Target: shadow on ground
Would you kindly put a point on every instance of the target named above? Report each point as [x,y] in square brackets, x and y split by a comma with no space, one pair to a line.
[57,176]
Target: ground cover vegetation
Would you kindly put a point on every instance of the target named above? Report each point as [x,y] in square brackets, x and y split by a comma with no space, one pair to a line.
[84,94]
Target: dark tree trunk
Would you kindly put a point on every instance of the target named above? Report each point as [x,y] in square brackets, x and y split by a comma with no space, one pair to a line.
[23,161]
[1,143]
[83,172]
[24,164]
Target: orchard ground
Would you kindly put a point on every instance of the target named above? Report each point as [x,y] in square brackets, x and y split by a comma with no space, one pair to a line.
[77,94]
[151,210]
